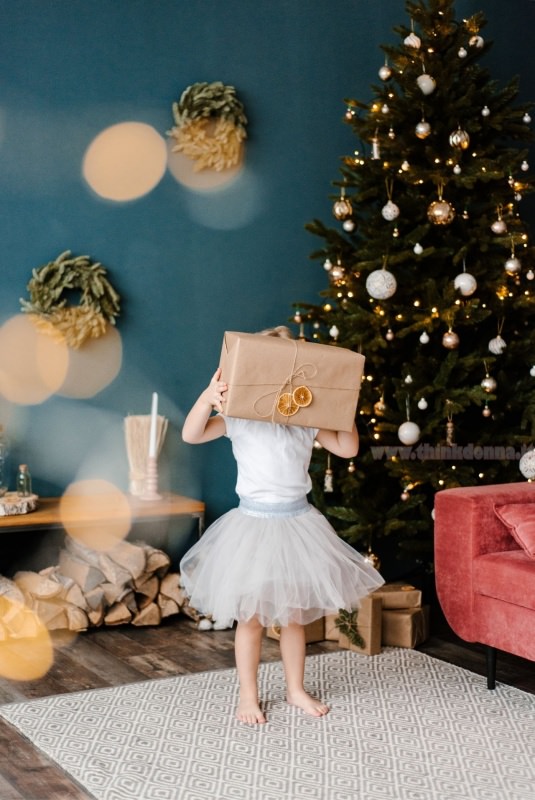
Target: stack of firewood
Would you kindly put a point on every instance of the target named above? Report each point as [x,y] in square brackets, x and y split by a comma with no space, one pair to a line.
[130,583]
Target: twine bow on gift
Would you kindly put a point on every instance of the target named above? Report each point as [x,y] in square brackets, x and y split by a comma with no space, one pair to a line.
[288,403]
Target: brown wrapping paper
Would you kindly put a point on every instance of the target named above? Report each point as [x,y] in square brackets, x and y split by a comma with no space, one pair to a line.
[369,627]
[405,627]
[399,595]
[290,381]
[332,632]
[314,631]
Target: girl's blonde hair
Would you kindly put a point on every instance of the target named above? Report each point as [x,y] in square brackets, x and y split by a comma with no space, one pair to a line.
[279,330]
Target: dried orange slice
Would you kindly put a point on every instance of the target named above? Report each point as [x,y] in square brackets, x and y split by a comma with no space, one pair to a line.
[302,396]
[286,405]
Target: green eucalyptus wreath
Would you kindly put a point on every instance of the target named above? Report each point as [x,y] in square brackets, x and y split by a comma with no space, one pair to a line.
[52,285]
[210,125]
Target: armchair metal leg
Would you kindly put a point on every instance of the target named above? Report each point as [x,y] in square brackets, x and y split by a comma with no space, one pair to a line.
[490,653]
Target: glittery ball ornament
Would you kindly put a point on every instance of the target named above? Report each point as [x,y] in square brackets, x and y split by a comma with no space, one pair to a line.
[422,129]
[385,72]
[440,212]
[450,340]
[460,139]
[497,345]
[513,265]
[526,464]
[488,384]
[426,83]
[381,284]
[390,211]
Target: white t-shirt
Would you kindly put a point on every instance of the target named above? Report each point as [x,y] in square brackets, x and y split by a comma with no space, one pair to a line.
[272,459]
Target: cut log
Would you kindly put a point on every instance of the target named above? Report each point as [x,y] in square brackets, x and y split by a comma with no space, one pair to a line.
[114,573]
[150,615]
[85,575]
[170,587]
[52,615]
[147,589]
[77,620]
[130,557]
[157,562]
[118,614]
[167,606]
[36,585]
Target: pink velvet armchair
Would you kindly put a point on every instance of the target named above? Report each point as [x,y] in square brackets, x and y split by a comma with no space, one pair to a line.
[485,567]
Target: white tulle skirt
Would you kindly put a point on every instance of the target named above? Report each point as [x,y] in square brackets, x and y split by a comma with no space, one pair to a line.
[279,563]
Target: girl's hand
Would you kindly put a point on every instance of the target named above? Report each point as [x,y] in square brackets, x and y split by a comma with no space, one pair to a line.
[213,394]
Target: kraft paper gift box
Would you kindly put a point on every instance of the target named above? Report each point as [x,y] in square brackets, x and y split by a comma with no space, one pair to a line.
[368,625]
[290,381]
[399,595]
[332,631]
[405,627]
[314,631]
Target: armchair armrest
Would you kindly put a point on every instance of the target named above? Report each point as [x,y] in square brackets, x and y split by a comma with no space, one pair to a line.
[466,527]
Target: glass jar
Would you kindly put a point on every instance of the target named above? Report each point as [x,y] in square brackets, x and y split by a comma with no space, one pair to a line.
[24,481]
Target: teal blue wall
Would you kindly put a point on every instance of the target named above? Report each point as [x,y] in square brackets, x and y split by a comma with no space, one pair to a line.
[188,266]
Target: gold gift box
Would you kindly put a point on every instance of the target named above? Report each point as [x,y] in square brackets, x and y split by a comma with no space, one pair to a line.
[290,381]
[368,621]
[399,595]
[314,631]
[406,627]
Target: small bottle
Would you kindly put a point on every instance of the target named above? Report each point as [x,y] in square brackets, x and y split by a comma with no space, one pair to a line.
[24,481]
[3,462]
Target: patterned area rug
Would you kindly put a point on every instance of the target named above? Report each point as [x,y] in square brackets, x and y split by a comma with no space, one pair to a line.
[402,725]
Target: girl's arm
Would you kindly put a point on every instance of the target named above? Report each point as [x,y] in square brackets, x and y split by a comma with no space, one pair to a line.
[341,443]
[199,425]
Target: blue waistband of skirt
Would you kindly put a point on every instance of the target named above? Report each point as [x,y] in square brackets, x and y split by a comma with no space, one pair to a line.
[291,508]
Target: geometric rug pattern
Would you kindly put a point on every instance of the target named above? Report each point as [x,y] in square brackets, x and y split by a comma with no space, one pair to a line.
[402,725]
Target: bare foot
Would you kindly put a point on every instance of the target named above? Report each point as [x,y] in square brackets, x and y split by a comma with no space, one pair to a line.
[249,711]
[307,703]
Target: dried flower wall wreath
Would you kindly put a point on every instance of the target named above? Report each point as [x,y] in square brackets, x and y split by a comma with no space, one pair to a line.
[210,126]
[51,287]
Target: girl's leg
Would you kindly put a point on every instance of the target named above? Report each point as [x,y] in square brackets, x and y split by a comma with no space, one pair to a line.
[292,645]
[247,647]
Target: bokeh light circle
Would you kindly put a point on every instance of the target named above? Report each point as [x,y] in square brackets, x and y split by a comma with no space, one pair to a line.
[95,513]
[125,161]
[93,366]
[33,364]
[26,651]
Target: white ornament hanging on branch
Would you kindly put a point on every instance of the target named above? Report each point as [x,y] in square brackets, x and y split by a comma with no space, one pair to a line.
[381,284]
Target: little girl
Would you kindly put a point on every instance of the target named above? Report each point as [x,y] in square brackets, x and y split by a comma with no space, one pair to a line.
[274,560]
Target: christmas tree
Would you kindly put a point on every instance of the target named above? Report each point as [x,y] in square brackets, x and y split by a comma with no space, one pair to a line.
[429,276]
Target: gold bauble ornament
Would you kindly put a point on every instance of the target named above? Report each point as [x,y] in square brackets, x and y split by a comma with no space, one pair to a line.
[450,340]
[460,139]
[373,559]
[342,208]
[488,384]
[440,212]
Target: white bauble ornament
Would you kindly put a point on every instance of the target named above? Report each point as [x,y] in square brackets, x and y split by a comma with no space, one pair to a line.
[418,249]
[424,337]
[390,211]
[530,274]
[385,108]
[526,464]
[334,332]
[488,384]
[422,403]
[385,72]
[499,226]
[381,284]
[513,265]
[465,283]
[486,411]
[524,166]
[408,379]
[476,41]
[408,432]
[337,272]
[532,372]
[526,118]
[422,129]
[497,345]
[426,83]
[327,265]
[389,335]
[457,169]
[405,166]
[485,111]
[348,225]
[462,52]
[413,41]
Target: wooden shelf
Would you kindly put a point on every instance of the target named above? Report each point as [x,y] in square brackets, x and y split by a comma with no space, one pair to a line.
[47,515]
